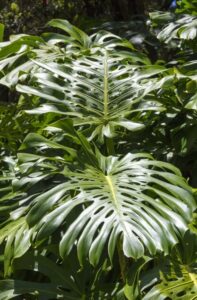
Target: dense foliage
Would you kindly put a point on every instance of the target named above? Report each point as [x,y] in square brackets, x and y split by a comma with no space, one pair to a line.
[98,164]
[31,16]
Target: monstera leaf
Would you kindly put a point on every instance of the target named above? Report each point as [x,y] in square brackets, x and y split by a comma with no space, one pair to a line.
[141,203]
[99,92]
[16,55]
[178,282]
[185,28]
[123,192]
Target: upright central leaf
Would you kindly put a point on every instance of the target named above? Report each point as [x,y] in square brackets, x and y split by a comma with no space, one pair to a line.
[96,91]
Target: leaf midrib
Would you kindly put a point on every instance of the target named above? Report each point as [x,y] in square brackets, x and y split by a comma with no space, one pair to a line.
[106,95]
[112,190]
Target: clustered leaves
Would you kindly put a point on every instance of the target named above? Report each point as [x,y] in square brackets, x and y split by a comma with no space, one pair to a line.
[86,212]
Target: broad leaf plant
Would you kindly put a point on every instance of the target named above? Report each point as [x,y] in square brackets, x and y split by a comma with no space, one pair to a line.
[91,205]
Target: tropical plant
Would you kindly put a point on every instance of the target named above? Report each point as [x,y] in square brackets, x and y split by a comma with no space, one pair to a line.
[86,211]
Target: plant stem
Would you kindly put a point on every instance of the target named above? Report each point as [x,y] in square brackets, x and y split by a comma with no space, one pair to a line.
[122,262]
[110,146]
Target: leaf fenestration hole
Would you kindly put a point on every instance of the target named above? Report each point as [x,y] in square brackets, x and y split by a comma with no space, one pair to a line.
[182,293]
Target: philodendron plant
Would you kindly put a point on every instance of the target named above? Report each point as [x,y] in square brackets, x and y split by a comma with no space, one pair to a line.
[82,216]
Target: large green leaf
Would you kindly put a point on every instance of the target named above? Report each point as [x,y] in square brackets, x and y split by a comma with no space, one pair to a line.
[99,92]
[142,203]
[126,191]
[184,28]
[16,55]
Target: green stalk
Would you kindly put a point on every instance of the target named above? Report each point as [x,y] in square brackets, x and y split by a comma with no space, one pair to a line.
[110,146]
[122,262]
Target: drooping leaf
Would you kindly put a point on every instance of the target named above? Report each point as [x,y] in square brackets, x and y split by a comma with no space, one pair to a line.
[178,282]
